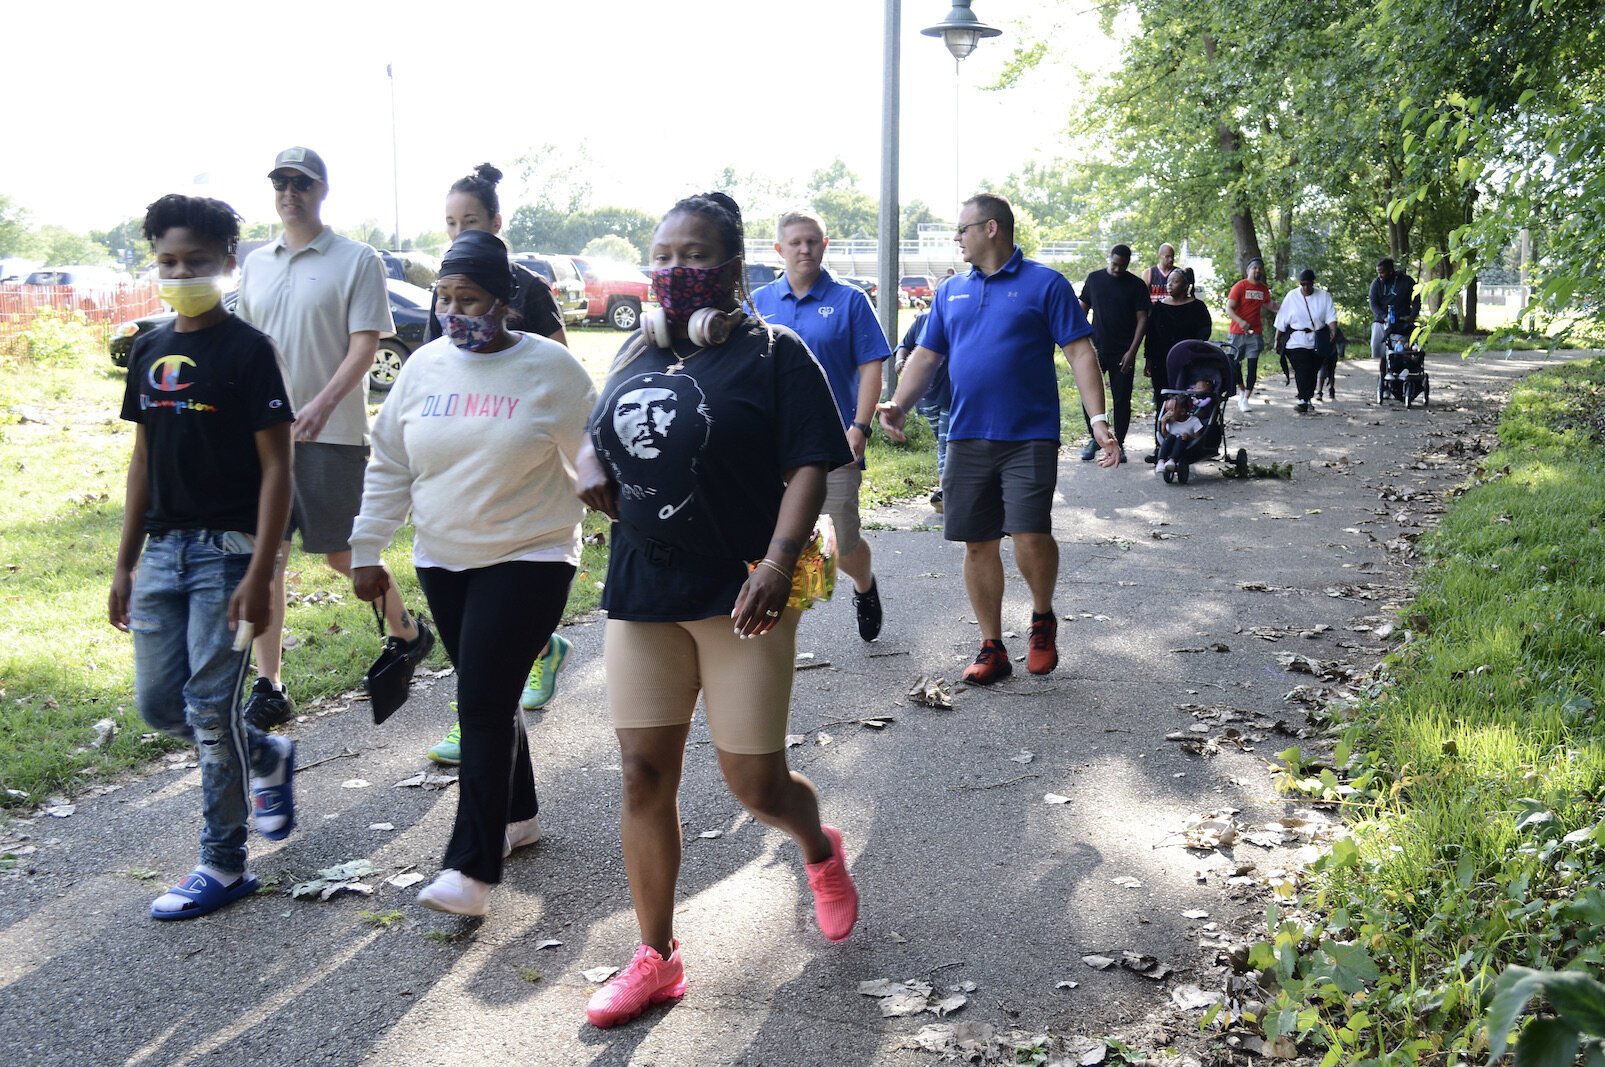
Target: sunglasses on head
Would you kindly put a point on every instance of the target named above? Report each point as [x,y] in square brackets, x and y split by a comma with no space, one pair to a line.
[301,182]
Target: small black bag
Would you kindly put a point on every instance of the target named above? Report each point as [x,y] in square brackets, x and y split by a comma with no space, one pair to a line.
[389,679]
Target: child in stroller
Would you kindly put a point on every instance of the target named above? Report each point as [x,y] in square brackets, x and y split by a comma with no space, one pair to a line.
[1198,373]
[1178,424]
[1402,374]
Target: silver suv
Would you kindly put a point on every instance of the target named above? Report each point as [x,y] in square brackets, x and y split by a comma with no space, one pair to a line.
[564,278]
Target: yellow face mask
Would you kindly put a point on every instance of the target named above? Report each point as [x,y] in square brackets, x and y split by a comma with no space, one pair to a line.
[191,297]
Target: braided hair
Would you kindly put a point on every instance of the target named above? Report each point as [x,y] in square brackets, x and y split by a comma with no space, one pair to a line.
[201,214]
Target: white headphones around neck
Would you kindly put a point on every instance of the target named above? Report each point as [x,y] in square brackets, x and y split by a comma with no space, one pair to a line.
[708,327]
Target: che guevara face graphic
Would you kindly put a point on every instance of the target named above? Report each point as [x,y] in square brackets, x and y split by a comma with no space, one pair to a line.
[651,431]
[643,419]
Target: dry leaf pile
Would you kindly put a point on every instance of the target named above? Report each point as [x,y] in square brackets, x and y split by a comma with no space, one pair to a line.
[912,997]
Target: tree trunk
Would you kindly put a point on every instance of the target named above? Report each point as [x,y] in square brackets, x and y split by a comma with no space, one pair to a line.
[1242,214]
[1283,236]
[1470,322]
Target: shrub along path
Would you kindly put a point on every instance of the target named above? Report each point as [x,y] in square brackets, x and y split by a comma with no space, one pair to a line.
[1191,613]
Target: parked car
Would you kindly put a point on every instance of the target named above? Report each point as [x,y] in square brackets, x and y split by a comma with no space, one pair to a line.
[419,268]
[614,292]
[760,274]
[409,306]
[564,278]
[85,287]
[919,287]
[869,285]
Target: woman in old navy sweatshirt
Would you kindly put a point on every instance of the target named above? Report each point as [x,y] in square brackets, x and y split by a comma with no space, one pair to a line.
[478,439]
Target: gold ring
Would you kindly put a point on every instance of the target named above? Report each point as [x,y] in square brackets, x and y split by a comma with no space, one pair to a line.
[773,614]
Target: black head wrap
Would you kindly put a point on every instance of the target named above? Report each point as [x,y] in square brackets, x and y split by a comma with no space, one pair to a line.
[482,258]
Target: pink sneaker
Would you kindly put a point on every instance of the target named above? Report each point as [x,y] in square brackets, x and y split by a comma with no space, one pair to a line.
[835,896]
[649,979]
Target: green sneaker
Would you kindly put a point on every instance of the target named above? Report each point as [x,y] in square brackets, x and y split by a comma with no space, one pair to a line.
[543,677]
[450,750]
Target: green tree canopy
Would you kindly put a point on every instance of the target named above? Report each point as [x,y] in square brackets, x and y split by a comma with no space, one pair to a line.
[610,246]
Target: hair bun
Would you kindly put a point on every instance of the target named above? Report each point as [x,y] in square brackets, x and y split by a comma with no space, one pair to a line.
[487,172]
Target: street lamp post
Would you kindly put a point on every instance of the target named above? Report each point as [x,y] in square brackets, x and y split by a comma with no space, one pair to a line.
[887,228]
[961,31]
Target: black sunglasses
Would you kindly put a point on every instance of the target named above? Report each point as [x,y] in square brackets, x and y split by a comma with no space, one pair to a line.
[301,182]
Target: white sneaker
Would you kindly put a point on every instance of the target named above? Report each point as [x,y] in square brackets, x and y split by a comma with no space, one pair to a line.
[520,834]
[454,893]
[1242,403]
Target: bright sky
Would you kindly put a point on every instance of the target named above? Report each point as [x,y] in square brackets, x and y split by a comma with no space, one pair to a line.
[113,104]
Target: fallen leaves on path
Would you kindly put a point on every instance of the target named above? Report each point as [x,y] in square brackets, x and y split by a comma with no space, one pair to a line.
[341,878]
[426,780]
[913,997]
[931,692]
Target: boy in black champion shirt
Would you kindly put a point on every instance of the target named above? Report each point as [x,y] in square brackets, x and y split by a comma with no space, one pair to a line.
[208,501]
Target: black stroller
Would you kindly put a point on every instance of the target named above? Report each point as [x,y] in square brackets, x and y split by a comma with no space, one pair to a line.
[1403,375]
[1186,363]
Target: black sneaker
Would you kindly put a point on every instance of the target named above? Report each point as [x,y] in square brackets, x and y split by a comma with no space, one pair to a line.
[936,502]
[1089,451]
[868,607]
[268,707]
[419,646]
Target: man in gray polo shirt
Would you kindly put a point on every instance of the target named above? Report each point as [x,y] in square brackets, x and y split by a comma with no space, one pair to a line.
[322,299]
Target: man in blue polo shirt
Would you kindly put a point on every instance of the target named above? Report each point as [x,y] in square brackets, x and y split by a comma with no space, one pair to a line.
[838,324]
[998,326]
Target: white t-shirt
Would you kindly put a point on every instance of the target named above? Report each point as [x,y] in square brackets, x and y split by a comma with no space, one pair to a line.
[310,301]
[1304,315]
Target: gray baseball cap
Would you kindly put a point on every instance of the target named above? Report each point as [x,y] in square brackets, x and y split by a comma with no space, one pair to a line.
[304,160]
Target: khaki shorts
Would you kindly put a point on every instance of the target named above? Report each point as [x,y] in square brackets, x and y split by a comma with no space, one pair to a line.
[841,504]
[656,669]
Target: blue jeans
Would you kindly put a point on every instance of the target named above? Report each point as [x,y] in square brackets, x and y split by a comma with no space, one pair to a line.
[188,678]
[936,414]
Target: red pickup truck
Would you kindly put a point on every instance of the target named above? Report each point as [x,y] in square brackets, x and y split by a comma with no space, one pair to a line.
[616,292]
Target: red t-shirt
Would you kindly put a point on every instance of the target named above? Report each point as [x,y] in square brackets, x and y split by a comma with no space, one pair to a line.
[1251,298]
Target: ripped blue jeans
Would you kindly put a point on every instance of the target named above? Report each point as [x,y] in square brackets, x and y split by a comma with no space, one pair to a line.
[188,679]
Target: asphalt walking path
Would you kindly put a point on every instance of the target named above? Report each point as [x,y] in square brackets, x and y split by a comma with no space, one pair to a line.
[1180,606]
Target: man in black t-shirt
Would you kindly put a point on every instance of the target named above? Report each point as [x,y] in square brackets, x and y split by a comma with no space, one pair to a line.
[1117,302]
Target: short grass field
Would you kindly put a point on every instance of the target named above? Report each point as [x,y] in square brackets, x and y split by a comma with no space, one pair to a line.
[64,457]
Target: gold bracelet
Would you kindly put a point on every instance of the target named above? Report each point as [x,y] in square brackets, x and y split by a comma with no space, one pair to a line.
[772,565]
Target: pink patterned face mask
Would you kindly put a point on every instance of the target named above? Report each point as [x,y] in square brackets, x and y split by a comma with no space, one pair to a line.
[684,290]
[472,332]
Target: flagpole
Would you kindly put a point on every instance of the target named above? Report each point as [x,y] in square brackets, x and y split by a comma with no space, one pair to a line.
[395,156]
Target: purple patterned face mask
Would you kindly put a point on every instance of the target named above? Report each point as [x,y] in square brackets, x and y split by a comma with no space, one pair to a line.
[472,332]
[684,290]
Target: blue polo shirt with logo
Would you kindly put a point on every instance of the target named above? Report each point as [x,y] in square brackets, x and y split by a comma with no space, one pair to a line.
[837,323]
[999,333]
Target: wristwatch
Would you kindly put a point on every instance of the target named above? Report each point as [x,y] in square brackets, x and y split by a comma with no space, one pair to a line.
[862,427]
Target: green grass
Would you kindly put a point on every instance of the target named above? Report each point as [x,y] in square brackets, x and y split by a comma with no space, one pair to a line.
[1480,766]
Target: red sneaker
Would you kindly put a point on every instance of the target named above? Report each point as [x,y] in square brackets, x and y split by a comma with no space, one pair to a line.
[649,979]
[835,896]
[1042,654]
[991,664]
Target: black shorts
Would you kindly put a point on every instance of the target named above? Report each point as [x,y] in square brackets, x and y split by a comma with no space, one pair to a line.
[993,488]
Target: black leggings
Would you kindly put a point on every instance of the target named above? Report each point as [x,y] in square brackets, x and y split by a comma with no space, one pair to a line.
[494,621]
[1171,448]
[1306,364]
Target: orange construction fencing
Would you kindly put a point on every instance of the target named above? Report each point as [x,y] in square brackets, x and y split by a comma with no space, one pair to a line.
[99,306]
